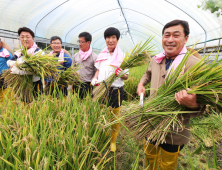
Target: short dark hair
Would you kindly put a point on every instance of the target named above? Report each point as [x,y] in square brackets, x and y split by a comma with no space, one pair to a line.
[25,29]
[112,31]
[86,35]
[184,24]
[55,38]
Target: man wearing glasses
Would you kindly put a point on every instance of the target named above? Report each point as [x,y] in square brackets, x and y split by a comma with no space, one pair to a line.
[26,36]
[86,58]
[63,56]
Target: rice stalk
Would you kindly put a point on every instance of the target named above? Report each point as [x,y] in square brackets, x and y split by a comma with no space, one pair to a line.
[162,114]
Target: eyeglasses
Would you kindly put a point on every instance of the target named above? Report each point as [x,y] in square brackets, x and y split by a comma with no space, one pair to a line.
[80,42]
[25,37]
[56,43]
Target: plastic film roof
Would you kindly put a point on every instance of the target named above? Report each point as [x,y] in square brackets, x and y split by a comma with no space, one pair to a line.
[136,20]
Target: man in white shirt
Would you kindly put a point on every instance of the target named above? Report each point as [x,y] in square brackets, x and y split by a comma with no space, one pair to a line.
[27,37]
[107,63]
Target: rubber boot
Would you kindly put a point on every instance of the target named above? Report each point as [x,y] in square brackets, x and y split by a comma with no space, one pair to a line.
[152,154]
[168,160]
[115,131]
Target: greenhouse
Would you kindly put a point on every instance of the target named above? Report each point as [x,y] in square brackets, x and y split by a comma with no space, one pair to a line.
[94,84]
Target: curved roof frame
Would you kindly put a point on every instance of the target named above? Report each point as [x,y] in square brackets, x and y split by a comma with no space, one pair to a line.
[126,21]
[48,14]
[195,21]
[135,35]
[130,29]
[89,19]
[130,22]
[109,11]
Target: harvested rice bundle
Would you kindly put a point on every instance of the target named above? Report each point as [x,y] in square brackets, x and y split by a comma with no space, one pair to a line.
[138,56]
[161,113]
[21,85]
[70,76]
[39,64]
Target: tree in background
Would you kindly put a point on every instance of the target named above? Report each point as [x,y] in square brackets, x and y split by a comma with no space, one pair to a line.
[215,6]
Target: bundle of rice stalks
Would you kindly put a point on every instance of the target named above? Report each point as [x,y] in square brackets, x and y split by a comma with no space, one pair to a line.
[138,56]
[70,76]
[21,85]
[39,64]
[161,113]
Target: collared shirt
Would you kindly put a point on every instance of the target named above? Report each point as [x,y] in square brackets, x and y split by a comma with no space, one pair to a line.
[87,69]
[106,70]
[3,61]
[168,63]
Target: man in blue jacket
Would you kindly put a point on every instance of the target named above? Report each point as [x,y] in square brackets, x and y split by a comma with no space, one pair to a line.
[63,57]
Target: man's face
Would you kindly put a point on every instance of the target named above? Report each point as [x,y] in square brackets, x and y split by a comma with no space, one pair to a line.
[83,45]
[56,45]
[174,40]
[26,39]
[111,42]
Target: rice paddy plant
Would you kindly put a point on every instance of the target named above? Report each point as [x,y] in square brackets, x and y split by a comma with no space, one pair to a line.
[130,86]
[70,76]
[161,113]
[138,56]
[53,133]
[209,129]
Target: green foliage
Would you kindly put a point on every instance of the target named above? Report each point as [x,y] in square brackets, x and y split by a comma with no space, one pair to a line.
[214,6]
[53,133]
[130,86]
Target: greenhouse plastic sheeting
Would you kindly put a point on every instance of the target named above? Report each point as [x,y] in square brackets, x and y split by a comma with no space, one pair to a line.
[136,20]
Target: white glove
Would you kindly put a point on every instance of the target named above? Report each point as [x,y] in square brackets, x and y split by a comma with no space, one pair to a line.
[11,63]
[15,70]
[94,82]
[20,61]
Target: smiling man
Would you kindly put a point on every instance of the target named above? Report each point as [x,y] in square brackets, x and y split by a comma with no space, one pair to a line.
[107,63]
[63,57]
[27,37]
[61,54]
[86,59]
[175,35]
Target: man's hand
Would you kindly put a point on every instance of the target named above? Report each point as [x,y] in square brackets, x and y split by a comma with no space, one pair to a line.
[94,82]
[185,99]
[117,71]
[140,89]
